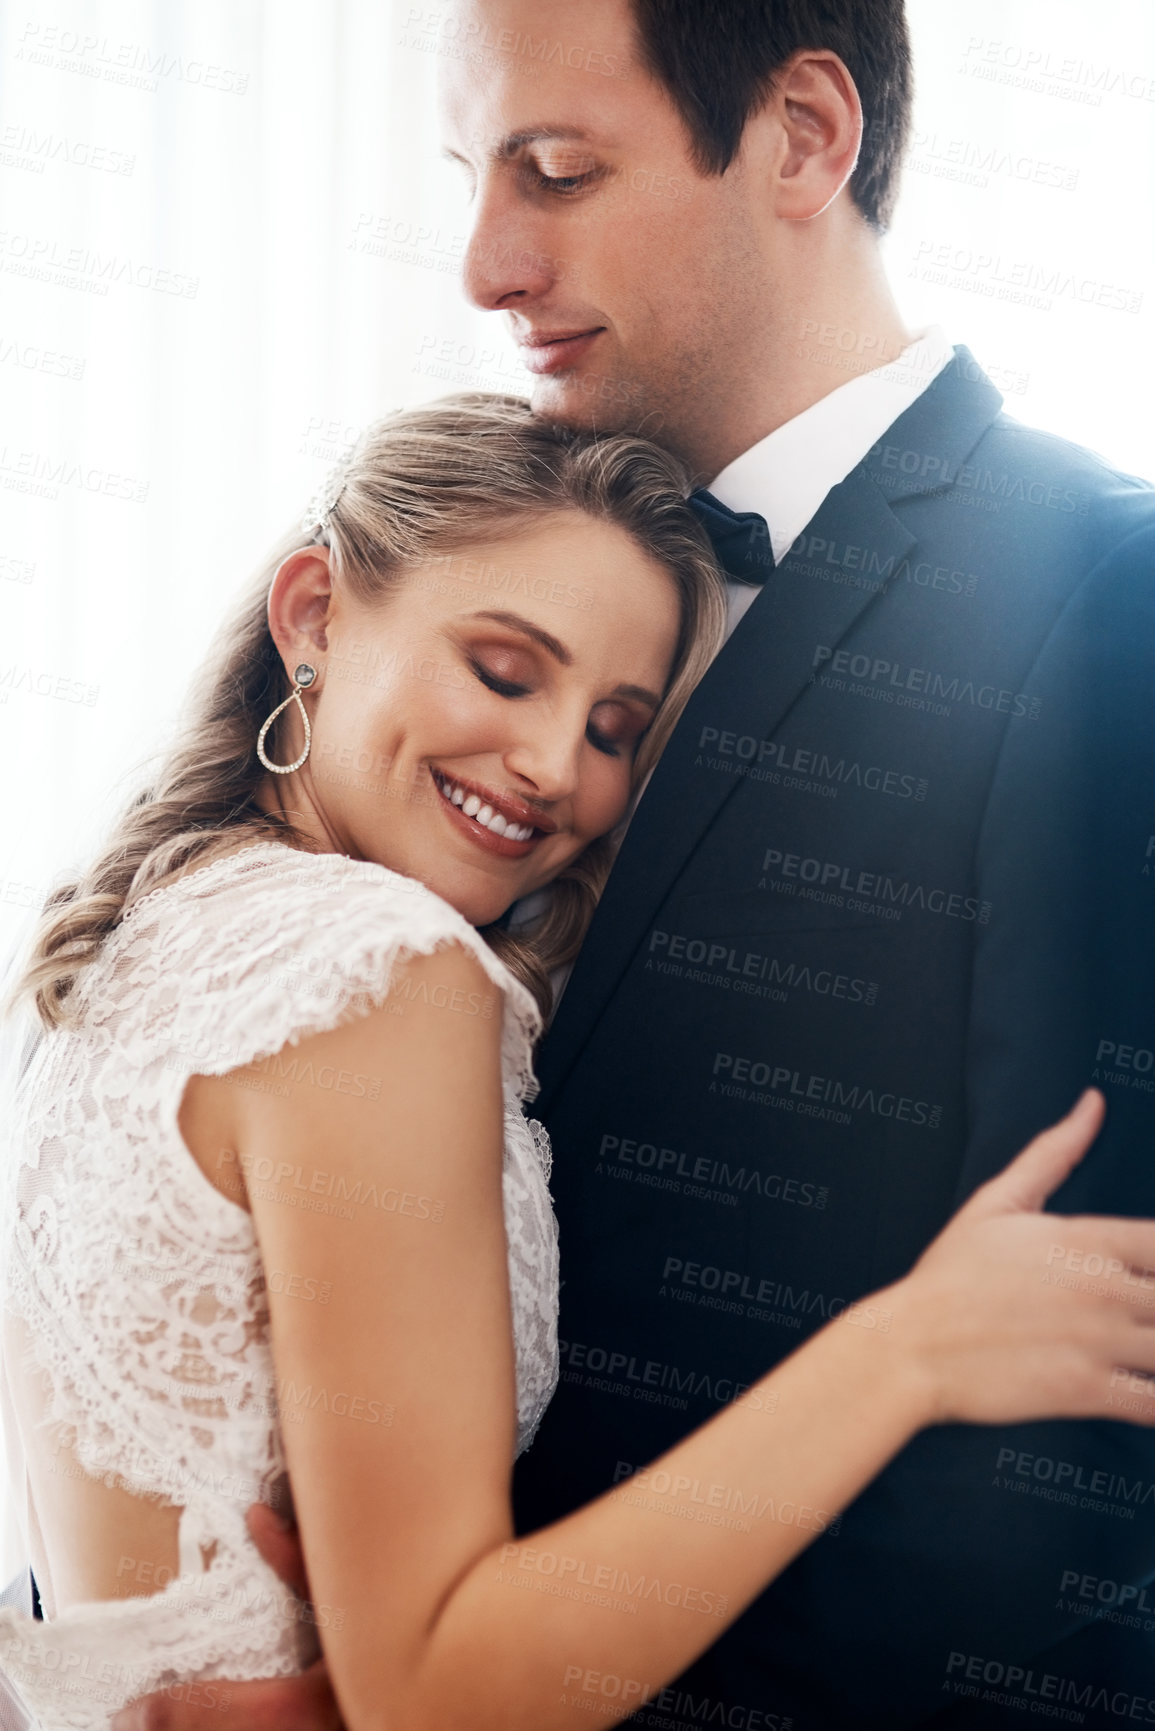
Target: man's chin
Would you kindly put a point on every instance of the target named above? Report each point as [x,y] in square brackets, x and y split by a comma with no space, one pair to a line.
[587,401]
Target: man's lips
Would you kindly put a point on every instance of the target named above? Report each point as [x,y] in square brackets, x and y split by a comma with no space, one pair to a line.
[475,810]
[550,351]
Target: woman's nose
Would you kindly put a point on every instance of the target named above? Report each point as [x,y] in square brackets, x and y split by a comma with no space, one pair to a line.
[547,759]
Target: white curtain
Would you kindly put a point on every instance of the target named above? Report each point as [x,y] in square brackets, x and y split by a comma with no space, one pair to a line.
[207,285]
[227,239]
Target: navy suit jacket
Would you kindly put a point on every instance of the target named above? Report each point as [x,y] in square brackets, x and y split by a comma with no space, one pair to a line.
[884,910]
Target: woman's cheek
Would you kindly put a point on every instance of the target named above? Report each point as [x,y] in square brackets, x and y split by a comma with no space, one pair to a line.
[430,716]
[379,727]
[606,796]
[461,708]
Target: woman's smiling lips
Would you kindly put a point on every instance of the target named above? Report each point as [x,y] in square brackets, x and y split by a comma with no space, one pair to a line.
[545,352]
[498,823]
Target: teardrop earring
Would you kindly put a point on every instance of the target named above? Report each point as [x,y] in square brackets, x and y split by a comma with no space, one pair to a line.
[303,676]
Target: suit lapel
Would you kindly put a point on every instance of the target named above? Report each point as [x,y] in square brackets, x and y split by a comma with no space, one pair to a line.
[927,446]
[756,680]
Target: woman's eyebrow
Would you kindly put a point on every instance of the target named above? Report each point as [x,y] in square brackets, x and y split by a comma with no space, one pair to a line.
[558,650]
[650,698]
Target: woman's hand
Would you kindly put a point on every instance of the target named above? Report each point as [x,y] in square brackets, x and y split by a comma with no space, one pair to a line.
[302,1703]
[1014,1314]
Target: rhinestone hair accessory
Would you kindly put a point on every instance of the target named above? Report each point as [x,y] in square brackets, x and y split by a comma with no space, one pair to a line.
[324,502]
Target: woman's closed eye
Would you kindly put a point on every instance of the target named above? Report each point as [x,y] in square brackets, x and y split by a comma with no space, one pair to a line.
[615,728]
[495,682]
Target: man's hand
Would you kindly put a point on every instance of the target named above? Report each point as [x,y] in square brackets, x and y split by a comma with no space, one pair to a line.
[303,1703]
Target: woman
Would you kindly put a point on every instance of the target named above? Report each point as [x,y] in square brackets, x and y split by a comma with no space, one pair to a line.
[274,1202]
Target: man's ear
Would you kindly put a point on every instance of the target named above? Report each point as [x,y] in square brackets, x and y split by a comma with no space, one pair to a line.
[812,123]
[300,606]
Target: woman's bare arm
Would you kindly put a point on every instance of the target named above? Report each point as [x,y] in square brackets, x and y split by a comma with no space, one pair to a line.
[397,1391]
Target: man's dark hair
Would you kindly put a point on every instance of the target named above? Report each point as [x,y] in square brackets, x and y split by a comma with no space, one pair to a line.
[718,60]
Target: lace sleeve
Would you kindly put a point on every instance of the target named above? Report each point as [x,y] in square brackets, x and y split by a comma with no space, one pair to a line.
[269,945]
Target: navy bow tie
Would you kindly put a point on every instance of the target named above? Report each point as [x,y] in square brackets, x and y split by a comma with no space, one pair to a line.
[741,539]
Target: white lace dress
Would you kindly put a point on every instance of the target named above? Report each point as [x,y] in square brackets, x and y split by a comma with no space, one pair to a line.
[139,1285]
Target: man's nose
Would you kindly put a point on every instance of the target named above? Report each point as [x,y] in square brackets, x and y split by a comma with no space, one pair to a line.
[505,262]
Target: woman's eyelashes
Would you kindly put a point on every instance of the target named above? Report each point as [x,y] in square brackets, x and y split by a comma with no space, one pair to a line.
[503,687]
[601,742]
[624,733]
[620,730]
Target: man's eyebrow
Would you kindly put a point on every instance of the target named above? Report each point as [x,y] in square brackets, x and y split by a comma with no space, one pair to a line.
[550,644]
[515,141]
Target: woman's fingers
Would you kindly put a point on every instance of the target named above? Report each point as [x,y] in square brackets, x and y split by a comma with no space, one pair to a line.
[1112,1373]
[302,1703]
[1019,1314]
[1036,1173]
[1135,1352]
[1128,1390]
[1111,1257]
[280,1545]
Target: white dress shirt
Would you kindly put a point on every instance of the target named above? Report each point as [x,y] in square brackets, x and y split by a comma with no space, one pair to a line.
[788,474]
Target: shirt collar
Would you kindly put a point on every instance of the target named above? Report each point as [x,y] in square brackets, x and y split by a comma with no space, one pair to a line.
[788,474]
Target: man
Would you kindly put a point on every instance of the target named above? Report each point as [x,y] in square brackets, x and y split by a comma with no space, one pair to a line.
[886,904]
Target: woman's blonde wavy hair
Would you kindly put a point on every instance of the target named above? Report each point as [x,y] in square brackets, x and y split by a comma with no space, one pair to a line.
[449,476]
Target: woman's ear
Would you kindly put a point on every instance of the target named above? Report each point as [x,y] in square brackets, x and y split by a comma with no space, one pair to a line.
[814,117]
[300,606]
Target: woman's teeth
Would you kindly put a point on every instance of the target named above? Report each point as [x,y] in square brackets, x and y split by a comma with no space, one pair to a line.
[481,813]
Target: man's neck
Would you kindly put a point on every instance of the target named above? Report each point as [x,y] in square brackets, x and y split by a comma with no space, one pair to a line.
[840,324]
